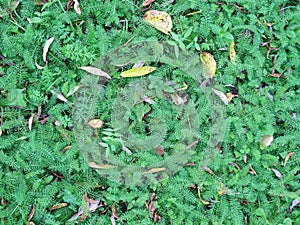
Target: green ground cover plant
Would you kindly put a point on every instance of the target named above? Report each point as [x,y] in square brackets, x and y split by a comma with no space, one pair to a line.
[44,178]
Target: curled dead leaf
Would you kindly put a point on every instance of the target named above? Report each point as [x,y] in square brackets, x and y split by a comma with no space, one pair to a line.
[201,199]
[31,214]
[294,203]
[286,158]
[95,123]
[77,7]
[147,2]
[277,173]
[60,96]
[159,19]
[46,48]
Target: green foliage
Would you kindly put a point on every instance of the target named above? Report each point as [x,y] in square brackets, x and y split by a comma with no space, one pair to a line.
[34,171]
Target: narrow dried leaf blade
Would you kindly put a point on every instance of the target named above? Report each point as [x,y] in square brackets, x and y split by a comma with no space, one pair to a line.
[294,203]
[201,199]
[286,158]
[95,71]
[95,123]
[46,48]
[232,53]
[221,95]
[31,214]
[58,206]
[155,170]
[0,132]
[277,173]
[60,96]
[137,72]
[104,166]
[209,64]
[30,121]
[266,141]
[160,20]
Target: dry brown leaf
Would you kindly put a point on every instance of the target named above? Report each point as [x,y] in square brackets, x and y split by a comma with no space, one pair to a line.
[208,170]
[155,170]
[76,88]
[58,206]
[152,210]
[236,166]
[60,96]
[77,7]
[66,148]
[252,171]
[221,95]
[276,75]
[148,2]
[286,158]
[179,100]
[31,214]
[104,166]
[95,71]
[46,48]
[95,123]
[159,19]
[266,141]
[209,64]
[0,132]
[159,150]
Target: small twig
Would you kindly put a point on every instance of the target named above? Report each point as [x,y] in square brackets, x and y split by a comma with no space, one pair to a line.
[126,43]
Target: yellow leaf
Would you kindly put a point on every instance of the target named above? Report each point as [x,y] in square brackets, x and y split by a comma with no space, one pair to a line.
[209,64]
[159,19]
[222,189]
[137,72]
[104,166]
[201,199]
[58,206]
[95,123]
[193,13]
[230,96]
[155,170]
[232,53]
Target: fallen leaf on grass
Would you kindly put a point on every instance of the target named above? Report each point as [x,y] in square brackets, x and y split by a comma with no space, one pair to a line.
[66,148]
[0,132]
[221,95]
[60,96]
[31,214]
[76,7]
[114,215]
[208,170]
[155,170]
[232,53]
[152,210]
[76,88]
[159,19]
[147,2]
[46,48]
[286,158]
[230,96]
[266,141]
[209,64]
[294,203]
[277,173]
[201,199]
[160,150]
[95,123]
[137,72]
[276,75]
[88,205]
[104,166]
[179,100]
[30,121]
[58,206]
[95,71]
